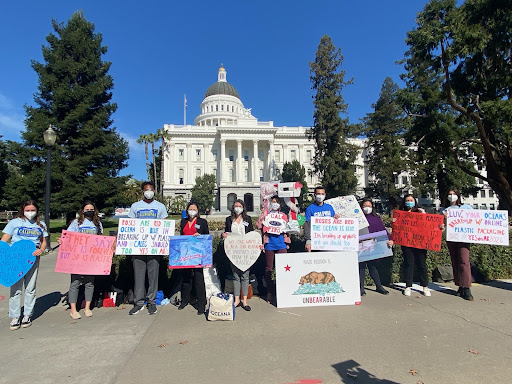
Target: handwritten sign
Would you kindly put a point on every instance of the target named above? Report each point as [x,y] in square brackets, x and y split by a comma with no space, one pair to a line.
[243,251]
[347,206]
[275,223]
[190,251]
[417,230]
[477,226]
[374,246]
[330,234]
[85,254]
[15,261]
[316,279]
[144,236]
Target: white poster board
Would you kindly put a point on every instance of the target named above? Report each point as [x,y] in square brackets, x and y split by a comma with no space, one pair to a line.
[243,251]
[330,234]
[347,206]
[313,279]
[477,226]
[144,236]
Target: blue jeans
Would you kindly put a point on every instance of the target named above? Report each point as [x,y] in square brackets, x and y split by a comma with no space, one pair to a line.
[30,293]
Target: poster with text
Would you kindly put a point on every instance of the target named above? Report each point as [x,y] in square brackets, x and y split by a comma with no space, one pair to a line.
[85,254]
[15,260]
[330,234]
[243,251]
[374,246]
[417,230]
[313,279]
[347,206]
[477,226]
[190,251]
[275,223]
[144,236]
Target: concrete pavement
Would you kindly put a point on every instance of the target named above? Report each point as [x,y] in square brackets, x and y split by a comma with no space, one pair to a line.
[443,339]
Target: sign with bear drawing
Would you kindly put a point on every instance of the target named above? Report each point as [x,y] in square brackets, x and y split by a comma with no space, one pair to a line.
[316,279]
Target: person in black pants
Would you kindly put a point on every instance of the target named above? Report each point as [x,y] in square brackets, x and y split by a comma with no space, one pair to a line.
[193,225]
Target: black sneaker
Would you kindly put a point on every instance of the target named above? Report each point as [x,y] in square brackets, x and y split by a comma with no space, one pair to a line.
[26,322]
[15,324]
[152,309]
[136,309]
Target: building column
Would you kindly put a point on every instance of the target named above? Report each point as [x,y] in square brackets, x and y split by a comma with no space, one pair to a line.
[206,159]
[301,154]
[189,179]
[255,161]
[239,161]
[270,159]
[170,173]
[222,162]
[285,153]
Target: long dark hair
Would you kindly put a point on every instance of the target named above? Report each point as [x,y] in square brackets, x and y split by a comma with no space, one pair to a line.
[95,218]
[245,216]
[446,203]
[371,202]
[21,213]
[413,209]
[192,203]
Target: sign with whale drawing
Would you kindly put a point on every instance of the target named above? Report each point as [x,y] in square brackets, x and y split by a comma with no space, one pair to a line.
[312,279]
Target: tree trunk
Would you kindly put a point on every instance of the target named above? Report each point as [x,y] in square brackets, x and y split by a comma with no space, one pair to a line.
[154,165]
[147,160]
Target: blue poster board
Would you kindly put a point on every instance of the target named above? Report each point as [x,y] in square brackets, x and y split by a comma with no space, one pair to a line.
[15,261]
[190,251]
[374,246]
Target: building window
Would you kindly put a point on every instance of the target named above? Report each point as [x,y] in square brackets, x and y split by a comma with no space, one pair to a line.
[246,174]
[216,108]
[222,107]
[491,206]
[181,154]
[308,155]
[214,172]
[261,174]
[181,176]
[277,156]
[404,180]
[491,193]
[246,155]
[293,155]
[231,155]
[475,206]
[483,206]
[482,193]
[260,154]
[214,153]
[198,155]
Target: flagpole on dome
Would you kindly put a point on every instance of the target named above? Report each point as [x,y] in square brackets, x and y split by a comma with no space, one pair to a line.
[185,109]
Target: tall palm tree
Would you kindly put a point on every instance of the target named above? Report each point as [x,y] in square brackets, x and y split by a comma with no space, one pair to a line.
[165,137]
[151,138]
[144,139]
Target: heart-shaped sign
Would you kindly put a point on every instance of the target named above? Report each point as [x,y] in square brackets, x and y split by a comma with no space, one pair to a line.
[243,251]
[15,261]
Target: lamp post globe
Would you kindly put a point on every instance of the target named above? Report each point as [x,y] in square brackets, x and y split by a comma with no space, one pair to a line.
[49,137]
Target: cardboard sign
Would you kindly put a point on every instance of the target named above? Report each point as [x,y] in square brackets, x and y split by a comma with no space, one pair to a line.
[374,246]
[275,223]
[347,206]
[417,230]
[477,226]
[15,261]
[315,279]
[243,251]
[190,251]
[144,236]
[330,234]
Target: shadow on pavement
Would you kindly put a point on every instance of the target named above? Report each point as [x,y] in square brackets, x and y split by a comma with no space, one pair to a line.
[500,285]
[45,302]
[350,372]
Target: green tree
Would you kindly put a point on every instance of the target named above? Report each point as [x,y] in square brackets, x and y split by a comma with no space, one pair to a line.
[294,171]
[470,48]
[176,204]
[334,155]
[74,94]
[165,138]
[4,170]
[143,139]
[203,191]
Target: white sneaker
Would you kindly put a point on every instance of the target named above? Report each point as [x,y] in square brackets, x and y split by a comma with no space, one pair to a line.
[407,291]
[15,324]
[426,292]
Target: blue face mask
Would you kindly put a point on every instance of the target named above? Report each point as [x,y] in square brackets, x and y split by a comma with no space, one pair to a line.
[410,204]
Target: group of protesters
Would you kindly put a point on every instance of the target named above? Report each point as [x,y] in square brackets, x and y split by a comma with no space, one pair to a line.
[28,226]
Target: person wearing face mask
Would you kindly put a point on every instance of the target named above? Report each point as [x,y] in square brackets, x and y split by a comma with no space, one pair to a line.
[147,208]
[459,252]
[25,226]
[192,225]
[375,225]
[240,223]
[414,255]
[317,209]
[88,221]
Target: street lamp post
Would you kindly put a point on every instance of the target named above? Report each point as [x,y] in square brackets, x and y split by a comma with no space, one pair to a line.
[49,137]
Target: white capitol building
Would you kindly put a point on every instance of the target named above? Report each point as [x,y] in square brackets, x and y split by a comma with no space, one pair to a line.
[227,141]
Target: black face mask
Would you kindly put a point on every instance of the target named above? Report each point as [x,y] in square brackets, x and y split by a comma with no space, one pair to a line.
[89,214]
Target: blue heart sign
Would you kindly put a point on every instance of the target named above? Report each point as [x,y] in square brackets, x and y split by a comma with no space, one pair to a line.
[15,261]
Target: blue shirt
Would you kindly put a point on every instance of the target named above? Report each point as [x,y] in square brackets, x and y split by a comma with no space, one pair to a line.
[25,229]
[275,242]
[86,227]
[324,210]
[143,210]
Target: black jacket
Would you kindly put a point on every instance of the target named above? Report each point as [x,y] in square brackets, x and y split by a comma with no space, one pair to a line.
[203,226]
[248,228]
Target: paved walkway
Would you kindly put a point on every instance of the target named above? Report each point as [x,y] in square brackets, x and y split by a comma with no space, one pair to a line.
[443,339]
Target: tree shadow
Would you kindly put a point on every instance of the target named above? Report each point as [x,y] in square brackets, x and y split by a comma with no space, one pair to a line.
[45,302]
[350,372]
[499,284]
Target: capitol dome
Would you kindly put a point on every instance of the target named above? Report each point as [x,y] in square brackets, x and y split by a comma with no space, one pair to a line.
[221,87]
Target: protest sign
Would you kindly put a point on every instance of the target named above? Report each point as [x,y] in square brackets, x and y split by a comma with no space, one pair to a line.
[374,246]
[417,230]
[330,234]
[190,251]
[243,251]
[347,206]
[316,279]
[477,226]
[275,223]
[84,254]
[144,236]
[15,260]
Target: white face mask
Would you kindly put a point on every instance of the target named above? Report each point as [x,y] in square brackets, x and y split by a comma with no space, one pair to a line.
[452,198]
[30,214]
[192,213]
[238,210]
[148,194]
[275,206]
[367,210]
[320,198]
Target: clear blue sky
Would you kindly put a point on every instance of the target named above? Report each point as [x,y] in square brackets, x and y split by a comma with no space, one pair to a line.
[162,50]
